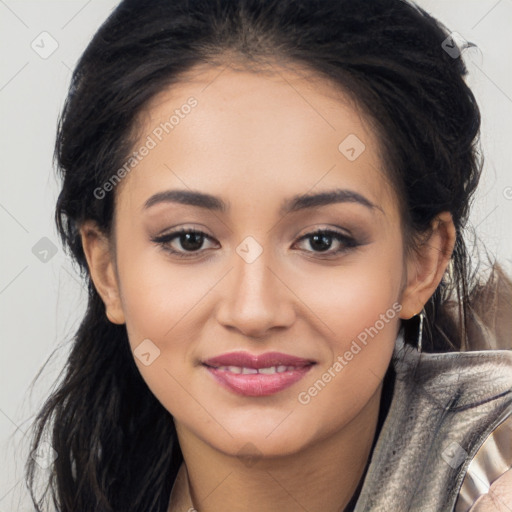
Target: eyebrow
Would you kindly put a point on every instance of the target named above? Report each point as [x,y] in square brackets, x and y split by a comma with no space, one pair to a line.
[293,204]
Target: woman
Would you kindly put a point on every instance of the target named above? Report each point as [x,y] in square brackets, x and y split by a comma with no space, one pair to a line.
[268,201]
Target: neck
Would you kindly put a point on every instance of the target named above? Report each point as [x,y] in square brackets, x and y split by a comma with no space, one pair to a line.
[322,477]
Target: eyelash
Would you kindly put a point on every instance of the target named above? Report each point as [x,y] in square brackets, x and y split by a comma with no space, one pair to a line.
[347,241]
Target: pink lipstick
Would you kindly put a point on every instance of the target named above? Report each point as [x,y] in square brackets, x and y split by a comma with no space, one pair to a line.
[257,375]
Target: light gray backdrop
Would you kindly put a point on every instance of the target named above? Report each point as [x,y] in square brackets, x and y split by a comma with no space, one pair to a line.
[41,298]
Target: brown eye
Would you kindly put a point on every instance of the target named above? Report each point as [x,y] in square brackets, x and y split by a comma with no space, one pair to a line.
[188,241]
[321,241]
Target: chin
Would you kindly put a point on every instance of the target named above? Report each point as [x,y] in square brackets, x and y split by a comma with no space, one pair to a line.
[254,443]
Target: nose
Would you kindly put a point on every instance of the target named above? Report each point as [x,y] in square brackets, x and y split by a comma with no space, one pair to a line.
[256,298]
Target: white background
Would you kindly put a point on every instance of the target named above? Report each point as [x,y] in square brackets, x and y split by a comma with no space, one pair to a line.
[41,303]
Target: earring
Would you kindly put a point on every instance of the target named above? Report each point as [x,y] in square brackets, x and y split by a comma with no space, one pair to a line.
[420,333]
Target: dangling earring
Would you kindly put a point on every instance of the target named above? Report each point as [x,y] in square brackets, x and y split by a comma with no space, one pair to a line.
[420,333]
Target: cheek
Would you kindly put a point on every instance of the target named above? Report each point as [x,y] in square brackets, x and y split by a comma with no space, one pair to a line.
[159,297]
[359,308]
[352,297]
[165,311]
[359,346]
[162,302]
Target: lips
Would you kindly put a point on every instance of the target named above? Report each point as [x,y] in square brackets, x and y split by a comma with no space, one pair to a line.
[257,375]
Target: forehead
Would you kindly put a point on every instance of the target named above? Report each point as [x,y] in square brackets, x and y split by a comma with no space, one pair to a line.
[273,133]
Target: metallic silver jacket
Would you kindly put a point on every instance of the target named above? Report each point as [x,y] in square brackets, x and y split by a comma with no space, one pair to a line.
[447,435]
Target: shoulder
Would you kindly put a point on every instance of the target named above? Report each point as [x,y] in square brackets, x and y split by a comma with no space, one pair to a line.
[499,497]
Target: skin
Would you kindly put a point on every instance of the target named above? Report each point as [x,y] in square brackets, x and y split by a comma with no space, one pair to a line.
[255,140]
[499,497]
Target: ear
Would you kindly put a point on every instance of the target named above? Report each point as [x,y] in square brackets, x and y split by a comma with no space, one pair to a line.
[101,261]
[427,264]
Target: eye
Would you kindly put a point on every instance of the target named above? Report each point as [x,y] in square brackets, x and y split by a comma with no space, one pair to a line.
[190,240]
[322,240]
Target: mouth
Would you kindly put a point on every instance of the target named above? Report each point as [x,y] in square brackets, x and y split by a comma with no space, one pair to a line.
[257,375]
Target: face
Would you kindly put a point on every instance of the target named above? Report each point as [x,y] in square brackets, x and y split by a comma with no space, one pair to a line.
[258,269]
